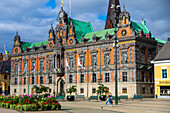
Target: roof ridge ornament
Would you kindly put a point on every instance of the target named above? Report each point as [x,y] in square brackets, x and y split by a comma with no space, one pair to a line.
[124,9]
[61,3]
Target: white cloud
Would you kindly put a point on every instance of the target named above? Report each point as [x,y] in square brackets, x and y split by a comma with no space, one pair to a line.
[32,18]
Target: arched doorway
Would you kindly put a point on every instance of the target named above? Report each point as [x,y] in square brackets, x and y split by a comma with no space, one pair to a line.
[2,87]
[60,86]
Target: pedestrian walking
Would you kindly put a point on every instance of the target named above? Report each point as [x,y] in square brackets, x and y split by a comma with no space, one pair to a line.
[109,99]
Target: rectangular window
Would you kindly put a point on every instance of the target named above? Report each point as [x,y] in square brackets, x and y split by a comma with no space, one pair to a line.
[71,62]
[50,79]
[70,78]
[50,64]
[152,90]
[81,78]
[16,68]
[15,81]
[124,90]
[24,81]
[107,59]
[94,90]
[33,66]
[15,90]
[41,80]
[94,60]
[5,76]
[25,66]
[142,56]
[143,76]
[82,60]
[41,65]
[124,76]
[124,57]
[24,90]
[32,80]
[82,90]
[94,78]
[164,73]
[143,90]
[107,77]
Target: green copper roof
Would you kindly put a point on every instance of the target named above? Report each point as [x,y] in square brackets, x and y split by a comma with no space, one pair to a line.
[30,45]
[138,27]
[99,34]
[81,28]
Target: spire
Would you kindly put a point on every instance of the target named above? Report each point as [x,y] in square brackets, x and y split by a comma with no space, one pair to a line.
[124,8]
[111,13]
[61,3]
[51,25]
[17,32]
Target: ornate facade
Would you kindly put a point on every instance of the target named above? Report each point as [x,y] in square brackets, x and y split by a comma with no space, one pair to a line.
[55,63]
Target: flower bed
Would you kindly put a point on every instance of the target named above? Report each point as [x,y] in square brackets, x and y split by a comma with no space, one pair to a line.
[29,102]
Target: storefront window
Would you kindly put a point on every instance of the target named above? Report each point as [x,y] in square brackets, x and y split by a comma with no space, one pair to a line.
[165,90]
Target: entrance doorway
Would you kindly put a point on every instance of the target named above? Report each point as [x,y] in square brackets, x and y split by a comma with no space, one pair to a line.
[60,87]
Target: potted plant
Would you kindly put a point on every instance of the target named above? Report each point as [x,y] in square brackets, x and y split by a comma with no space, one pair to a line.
[102,89]
[71,90]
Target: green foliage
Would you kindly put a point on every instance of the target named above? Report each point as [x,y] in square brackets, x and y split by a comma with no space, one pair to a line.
[7,105]
[71,90]
[12,106]
[40,89]
[102,89]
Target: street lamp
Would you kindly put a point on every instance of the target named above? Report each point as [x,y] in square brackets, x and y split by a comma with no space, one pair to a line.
[115,46]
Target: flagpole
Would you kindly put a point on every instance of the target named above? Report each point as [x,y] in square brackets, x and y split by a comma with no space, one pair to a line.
[77,77]
[70,8]
[18,79]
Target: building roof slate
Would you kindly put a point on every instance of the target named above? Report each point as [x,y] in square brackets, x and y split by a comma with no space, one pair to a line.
[5,67]
[164,53]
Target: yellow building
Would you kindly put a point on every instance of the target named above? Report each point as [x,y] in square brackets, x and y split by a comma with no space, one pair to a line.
[162,72]
[5,77]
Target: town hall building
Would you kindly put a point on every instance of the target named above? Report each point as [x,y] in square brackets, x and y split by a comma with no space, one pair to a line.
[75,54]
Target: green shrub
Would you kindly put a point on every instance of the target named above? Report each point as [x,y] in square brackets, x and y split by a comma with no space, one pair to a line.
[7,105]
[58,107]
[13,106]
[53,107]
[26,107]
[34,108]
[42,107]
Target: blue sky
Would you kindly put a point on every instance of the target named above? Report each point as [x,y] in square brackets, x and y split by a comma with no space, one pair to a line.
[32,18]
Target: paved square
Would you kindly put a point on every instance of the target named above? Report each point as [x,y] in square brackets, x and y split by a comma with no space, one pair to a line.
[125,106]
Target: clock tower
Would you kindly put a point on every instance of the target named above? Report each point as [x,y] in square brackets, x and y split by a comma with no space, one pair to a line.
[62,28]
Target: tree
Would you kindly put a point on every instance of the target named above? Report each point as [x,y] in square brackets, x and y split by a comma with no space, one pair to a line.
[40,89]
[102,89]
[71,90]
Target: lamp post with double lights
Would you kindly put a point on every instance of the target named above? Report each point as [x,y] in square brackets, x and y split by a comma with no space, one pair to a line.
[115,46]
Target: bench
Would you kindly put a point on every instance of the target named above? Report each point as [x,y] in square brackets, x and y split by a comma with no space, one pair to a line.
[137,97]
[93,98]
[61,97]
[80,96]
[124,97]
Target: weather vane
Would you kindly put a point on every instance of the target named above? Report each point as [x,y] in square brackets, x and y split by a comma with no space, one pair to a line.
[61,3]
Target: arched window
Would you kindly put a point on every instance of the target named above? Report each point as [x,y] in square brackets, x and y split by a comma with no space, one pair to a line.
[70,78]
[94,78]
[81,78]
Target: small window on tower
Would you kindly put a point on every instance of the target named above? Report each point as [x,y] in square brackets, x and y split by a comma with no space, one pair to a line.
[124,20]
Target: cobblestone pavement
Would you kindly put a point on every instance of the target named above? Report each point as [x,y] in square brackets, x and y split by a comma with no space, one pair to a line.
[125,106]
